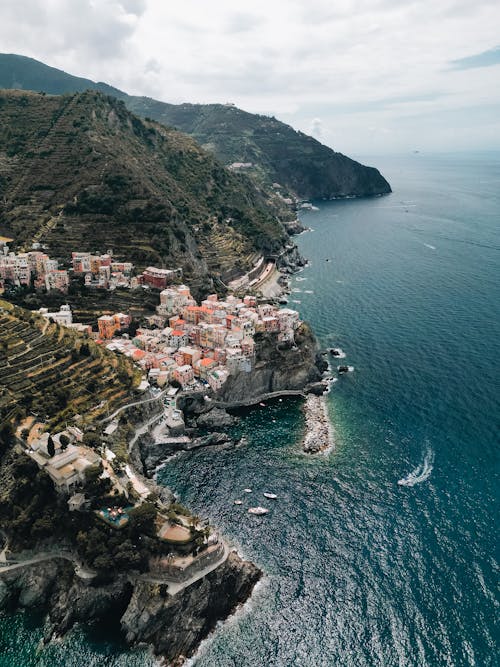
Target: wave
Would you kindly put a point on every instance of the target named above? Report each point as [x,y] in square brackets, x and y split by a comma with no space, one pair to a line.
[428,245]
[421,473]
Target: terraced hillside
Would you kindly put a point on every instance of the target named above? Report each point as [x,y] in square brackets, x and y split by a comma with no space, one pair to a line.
[51,372]
[81,172]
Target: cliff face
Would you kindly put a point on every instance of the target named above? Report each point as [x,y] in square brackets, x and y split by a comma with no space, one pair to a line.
[277,368]
[176,625]
[173,625]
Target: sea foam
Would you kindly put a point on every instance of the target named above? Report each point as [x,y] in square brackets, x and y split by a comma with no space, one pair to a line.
[421,473]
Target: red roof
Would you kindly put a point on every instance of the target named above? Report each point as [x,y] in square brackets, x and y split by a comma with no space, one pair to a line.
[178,333]
[207,361]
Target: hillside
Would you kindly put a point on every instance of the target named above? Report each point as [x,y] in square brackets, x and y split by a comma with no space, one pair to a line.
[298,162]
[52,371]
[279,153]
[80,172]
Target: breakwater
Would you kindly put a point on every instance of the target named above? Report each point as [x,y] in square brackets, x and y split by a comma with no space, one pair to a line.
[319,431]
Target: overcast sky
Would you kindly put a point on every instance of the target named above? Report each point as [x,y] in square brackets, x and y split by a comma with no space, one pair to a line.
[363,76]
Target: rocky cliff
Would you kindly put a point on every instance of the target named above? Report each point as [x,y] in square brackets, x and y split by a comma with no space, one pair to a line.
[278,368]
[176,625]
[173,625]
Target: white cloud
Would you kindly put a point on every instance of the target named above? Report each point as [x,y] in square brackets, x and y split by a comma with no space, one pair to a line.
[377,72]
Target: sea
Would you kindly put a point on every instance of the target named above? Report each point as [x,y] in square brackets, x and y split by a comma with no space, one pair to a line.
[384,551]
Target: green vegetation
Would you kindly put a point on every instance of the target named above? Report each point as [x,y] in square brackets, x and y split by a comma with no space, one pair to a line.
[298,162]
[150,193]
[52,372]
[33,515]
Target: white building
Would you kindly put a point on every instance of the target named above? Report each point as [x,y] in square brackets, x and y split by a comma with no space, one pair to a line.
[64,316]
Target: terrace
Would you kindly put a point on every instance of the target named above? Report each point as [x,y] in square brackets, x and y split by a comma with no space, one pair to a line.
[116,517]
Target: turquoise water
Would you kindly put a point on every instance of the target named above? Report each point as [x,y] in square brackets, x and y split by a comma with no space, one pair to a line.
[363,571]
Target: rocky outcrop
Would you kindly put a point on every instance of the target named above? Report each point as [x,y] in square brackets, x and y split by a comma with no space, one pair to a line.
[278,368]
[176,625]
[216,418]
[290,260]
[173,625]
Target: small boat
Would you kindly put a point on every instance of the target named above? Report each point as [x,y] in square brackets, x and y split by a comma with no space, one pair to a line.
[262,405]
[272,496]
[238,502]
[247,490]
[257,510]
[343,369]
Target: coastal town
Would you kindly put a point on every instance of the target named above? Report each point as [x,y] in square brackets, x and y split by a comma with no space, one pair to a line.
[184,348]
[184,342]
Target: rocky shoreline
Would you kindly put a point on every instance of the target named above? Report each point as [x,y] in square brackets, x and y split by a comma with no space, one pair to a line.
[319,431]
[145,612]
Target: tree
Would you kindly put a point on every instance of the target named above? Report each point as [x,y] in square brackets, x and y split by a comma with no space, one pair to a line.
[64,440]
[142,518]
[91,439]
[51,448]
[6,437]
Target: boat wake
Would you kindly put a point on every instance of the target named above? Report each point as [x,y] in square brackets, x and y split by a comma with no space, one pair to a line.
[431,247]
[421,473]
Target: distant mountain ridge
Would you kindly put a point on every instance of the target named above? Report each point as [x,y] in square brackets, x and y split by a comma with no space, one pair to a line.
[279,154]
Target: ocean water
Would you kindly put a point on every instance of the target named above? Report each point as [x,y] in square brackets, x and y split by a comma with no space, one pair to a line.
[383,552]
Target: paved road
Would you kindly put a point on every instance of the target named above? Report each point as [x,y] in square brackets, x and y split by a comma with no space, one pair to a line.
[175,587]
[80,569]
[131,405]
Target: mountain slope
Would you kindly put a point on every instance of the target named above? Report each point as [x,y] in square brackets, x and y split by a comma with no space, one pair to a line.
[81,172]
[53,371]
[280,154]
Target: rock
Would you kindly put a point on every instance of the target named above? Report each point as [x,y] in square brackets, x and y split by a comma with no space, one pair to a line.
[216,418]
[210,440]
[176,625]
[319,432]
[173,625]
[317,388]
[277,368]
[30,587]
[294,227]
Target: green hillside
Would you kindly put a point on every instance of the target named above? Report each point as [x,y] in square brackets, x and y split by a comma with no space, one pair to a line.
[279,153]
[53,372]
[81,172]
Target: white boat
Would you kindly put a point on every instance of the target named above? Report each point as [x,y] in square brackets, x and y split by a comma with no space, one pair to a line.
[257,510]
[238,502]
[272,496]
[247,490]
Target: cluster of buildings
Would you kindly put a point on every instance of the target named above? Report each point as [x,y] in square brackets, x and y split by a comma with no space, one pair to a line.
[206,342]
[108,325]
[67,464]
[100,271]
[103,271]
[24,267]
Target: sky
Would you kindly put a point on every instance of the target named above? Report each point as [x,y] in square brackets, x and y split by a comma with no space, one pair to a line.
[363,76]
